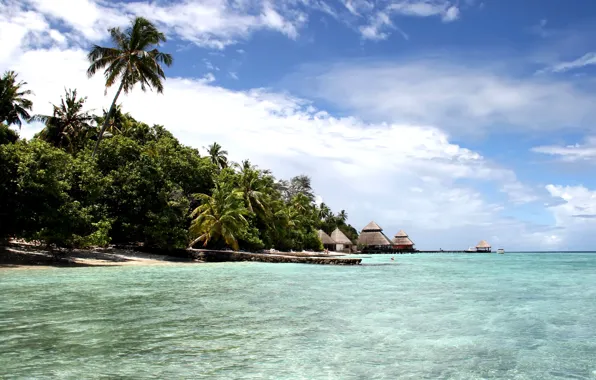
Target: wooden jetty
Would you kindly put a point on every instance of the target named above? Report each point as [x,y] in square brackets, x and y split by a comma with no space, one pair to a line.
[447,251]
[402,252]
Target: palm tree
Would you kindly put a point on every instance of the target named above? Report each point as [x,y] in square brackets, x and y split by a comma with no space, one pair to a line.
[134,59]
[324,211]
[342,216]
[251,186]
[218,156]
[69,124]
[301,184]
[220,215]
[115,124]
[14,106]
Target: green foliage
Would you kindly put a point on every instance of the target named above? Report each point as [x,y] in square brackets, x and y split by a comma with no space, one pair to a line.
[7,135]
[98,238]
[14,106]
[35,192]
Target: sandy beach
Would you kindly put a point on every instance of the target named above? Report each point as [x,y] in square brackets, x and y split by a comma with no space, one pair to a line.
[28,256]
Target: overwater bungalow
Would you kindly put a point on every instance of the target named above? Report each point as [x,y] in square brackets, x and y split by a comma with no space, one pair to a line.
[342,243]
[373,238]
[328,242]
[402,242]
[483,246]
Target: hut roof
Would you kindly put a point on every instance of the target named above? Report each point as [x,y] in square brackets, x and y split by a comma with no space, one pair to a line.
[372,226]
[373,238]
[340,237]
[325,239]
[483,244]
[401,233]
[403,241]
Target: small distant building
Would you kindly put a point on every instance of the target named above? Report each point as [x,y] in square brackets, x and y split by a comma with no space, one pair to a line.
[483,246]
[402,242]
[372,237]
[342,243]
[328,242]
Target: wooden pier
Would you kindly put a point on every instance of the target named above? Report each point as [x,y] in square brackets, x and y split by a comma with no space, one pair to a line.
[401,252]
[449,251]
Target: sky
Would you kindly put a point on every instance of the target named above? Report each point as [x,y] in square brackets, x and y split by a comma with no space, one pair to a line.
[454,120]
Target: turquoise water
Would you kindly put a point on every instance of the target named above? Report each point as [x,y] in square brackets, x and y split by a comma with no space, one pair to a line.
[474,316]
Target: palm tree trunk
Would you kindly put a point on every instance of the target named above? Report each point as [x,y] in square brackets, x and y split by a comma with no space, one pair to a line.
[107,120]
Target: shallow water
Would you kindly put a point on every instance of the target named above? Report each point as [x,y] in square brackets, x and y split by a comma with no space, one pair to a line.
[466,316]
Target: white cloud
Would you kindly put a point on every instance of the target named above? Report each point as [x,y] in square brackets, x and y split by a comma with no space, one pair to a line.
[451,14]
[425,8]
[380,18]
[571,153]
[375,30]
[357,7]
[575,215]
[207,23]
[587,59]
[208,78]
[459,96]
[87,17]
[218,23]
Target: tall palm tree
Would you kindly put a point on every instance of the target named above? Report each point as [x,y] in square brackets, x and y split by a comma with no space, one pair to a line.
[14,106]
[134,59]
[69,124]
[220,216]
[219,157]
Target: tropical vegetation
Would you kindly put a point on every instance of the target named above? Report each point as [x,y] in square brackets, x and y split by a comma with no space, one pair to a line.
[143,186]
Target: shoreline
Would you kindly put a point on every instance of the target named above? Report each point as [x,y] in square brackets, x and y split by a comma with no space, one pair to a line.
[17,255]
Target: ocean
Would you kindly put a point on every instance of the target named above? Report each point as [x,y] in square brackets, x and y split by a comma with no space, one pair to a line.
[424,316]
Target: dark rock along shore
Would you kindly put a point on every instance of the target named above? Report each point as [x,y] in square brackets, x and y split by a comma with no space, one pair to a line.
[223,256]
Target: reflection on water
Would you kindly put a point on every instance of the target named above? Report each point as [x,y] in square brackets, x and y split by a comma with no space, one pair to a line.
[420,316]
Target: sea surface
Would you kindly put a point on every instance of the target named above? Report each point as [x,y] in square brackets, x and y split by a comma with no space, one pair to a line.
[425,316]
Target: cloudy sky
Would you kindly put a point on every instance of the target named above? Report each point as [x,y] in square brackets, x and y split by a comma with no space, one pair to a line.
[455,120]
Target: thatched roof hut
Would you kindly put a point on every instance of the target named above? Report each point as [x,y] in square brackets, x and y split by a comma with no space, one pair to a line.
[340,238]
[483,246]
[326,239]
[402,241]
[372,235]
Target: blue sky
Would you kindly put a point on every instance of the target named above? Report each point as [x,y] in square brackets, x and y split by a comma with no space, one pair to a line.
[454,120]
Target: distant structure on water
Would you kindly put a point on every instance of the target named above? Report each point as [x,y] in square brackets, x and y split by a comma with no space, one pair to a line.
[483,246]
[373,239]
[402,242]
